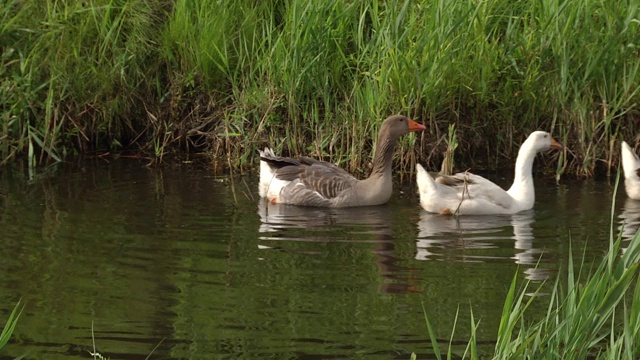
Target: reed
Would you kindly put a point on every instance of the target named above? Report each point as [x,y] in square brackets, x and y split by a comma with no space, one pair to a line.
[317,77]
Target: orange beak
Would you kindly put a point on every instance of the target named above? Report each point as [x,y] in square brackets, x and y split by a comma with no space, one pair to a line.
[555,144]
[414,126]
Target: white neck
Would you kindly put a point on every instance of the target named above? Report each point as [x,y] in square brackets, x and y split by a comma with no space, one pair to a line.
[522,190]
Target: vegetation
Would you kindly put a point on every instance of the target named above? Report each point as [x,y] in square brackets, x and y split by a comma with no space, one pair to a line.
[317,77]
[593,318]
[594,314]
[10,325]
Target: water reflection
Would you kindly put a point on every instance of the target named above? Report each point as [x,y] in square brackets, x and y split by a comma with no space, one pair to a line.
[282,224]
[172,253]
[471,238]
[277,218]
[629,219]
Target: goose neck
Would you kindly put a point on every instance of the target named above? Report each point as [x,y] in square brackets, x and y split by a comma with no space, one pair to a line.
[524,164]
[522,189]
[383,157]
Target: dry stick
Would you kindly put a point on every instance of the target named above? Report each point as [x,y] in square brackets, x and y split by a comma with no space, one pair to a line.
[153,119]
[93,340]
[96,355]
[75,125]
[250,197]
[154,349]
[433,152]
[264,117]
[318,153]
[46,136]
[228,145]
[269,187]
[465,189]
[233,190]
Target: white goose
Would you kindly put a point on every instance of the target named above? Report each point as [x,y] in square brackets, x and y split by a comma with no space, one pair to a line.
[469,194]
[309,182]
[631,168]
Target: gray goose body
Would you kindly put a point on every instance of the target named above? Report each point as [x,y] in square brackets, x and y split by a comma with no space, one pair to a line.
[309,182]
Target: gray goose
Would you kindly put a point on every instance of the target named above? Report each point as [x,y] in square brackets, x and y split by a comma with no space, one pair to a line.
[308,182]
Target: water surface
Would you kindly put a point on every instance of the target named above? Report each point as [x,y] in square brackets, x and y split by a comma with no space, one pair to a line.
[195,265]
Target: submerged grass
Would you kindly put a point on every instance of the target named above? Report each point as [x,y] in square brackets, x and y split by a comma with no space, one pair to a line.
[98,356]
[317,77]
[592,314]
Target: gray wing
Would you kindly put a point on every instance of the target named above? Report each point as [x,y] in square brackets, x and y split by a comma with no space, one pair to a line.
[316,176]
[320,176]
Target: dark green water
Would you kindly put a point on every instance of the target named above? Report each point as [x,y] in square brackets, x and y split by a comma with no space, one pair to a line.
[195,265]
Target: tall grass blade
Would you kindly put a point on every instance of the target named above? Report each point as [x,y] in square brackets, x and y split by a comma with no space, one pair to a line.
[432,335]
[10,325]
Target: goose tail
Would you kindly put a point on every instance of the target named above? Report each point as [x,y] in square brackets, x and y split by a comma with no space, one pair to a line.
[267,172]
[426,183]
[630,161]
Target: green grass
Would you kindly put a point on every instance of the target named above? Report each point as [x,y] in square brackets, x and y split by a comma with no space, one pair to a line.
[589,316]
[317,77]
[10,325]
[593,313]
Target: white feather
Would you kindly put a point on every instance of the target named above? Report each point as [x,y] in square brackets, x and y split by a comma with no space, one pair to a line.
[630,164]
[474,195]
[269,185]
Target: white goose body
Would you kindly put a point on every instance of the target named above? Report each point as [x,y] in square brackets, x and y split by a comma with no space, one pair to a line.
[308,182]
[470,194]
[631,168]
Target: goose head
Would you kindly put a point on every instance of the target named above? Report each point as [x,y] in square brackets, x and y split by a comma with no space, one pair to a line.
[397,125]
[540,141]
[391,129]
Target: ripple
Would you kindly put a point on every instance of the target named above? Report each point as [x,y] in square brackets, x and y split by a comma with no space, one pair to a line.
[445,236]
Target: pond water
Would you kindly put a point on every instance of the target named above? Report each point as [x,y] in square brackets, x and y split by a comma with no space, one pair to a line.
[181,264]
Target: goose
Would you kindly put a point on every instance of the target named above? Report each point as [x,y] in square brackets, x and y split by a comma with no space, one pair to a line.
[308,182]
[468,194]
[631,168]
